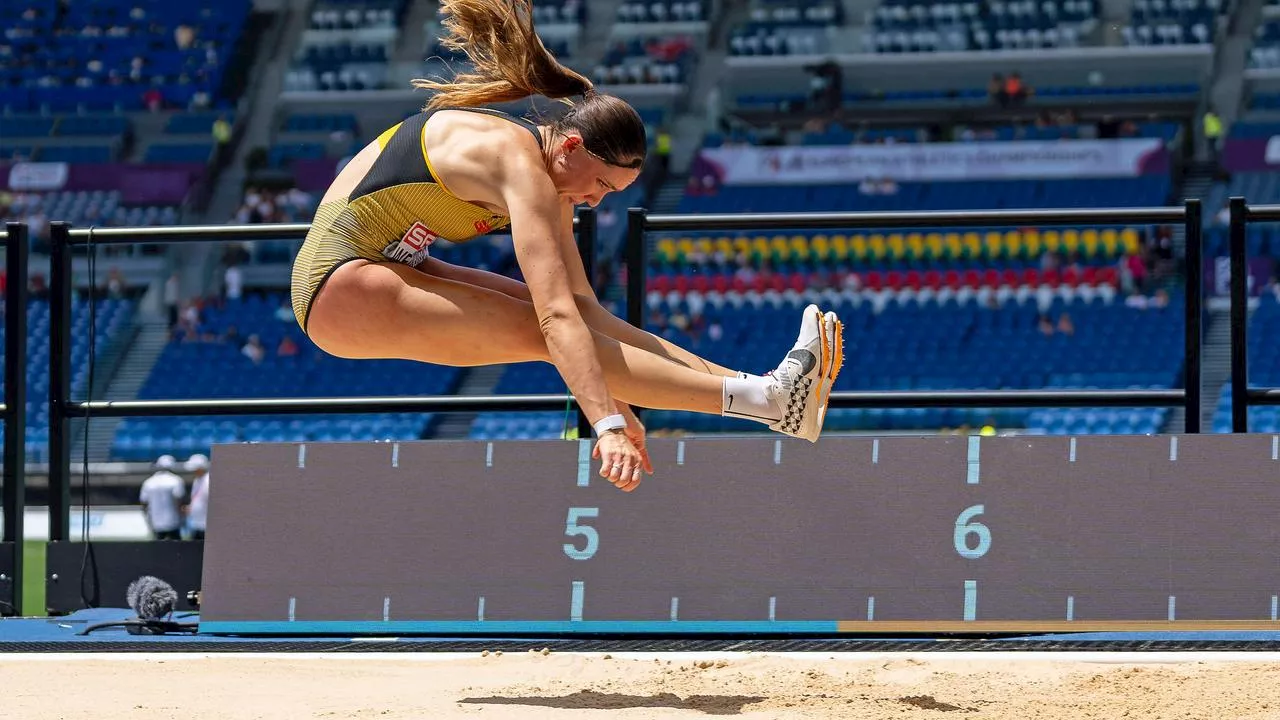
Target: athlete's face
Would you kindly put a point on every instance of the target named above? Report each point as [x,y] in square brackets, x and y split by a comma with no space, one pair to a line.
[581,177]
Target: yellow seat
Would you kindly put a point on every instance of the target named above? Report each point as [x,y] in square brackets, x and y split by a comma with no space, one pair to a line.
[972,245]
[897,246]
[820,248]
[1129,240]
[741,245]
[954,246]
[1052,242]
[915,246]
[1031,247]
[1015,243]
[1089,242]
[666,248]
[877,249]
[1110,242]
[703,246]
[840,248]
[993,245]
[933,243]
[1071,241]
[859,248]
[684,246]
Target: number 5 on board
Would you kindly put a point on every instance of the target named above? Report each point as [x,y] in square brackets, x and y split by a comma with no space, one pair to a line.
[572,529]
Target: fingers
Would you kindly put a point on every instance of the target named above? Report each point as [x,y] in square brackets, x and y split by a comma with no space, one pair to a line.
[645,462]
[622,465]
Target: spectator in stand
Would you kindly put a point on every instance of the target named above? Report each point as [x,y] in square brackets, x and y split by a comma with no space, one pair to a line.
[232,282]
[287,347]
[1015,90]
[172,297]
[995,90]
[254,350]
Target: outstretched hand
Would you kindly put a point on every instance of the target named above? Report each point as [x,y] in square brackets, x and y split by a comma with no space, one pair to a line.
[635,433]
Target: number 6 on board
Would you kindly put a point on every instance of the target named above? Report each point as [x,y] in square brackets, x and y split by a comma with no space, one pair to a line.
[965,528]
[572,528]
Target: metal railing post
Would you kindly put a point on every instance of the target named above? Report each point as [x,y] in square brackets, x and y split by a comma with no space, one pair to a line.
[637,255]
[1239,317]
[60,300]
[16,251]
[1194,305]
[587,250]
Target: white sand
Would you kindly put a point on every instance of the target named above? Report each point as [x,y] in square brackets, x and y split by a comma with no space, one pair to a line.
[1007,686]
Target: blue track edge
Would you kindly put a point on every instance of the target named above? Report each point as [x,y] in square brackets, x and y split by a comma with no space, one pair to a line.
[515,627]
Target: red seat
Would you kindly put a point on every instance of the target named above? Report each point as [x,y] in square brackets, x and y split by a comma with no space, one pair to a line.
[720,283]
[991,278]
[797,282]
[893,279]
[972,279]
[682,284]
[1109,276]
[701,283]
[1071,276]
[913,280]
[933,279]
[1051,278]
[662,284]
[739,285]
[1090,275]
[1010,278]
[872,280]
[1031,276]
[952,279]
[759,284]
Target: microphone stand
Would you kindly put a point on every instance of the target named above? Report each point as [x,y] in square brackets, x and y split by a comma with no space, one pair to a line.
[138,626]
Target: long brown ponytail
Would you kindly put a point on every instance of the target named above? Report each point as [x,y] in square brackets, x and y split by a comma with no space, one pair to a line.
[511,63]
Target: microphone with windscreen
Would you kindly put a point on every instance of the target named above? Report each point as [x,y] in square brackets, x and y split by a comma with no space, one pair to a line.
[151,598]
[153,601]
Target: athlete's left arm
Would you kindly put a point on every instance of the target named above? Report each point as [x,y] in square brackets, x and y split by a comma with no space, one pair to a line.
[598,317]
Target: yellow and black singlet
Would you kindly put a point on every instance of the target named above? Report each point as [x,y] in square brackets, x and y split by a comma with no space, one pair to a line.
[394,214]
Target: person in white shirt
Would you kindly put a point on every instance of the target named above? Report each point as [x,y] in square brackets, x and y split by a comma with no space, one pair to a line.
[198,510]
[161,496]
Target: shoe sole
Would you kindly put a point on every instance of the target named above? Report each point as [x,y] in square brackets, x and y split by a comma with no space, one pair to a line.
[829,382]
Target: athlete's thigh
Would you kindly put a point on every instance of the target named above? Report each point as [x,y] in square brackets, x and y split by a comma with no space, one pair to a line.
[389,310]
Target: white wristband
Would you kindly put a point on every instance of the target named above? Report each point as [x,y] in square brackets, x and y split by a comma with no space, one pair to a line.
[611,422]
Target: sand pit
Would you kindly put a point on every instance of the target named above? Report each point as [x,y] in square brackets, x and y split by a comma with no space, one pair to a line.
[1001,686]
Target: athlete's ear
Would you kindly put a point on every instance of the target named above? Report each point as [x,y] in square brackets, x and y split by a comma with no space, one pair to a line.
[572,142]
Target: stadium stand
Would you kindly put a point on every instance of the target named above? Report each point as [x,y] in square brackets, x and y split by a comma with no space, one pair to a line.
[109,55]
[214,357]
[926,308]
[111,324]
[1264,366]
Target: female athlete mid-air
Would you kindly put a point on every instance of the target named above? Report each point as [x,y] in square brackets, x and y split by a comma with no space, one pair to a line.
[364,283]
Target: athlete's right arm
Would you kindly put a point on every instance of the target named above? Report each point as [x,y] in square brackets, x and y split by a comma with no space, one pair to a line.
[535,212]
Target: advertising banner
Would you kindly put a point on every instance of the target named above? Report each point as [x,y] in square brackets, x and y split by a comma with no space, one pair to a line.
[1217,273]
[1251,154]
[139,184]
[750,165]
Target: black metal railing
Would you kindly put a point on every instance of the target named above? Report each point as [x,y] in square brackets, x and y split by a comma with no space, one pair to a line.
[14,411]
[639,222]
[1243,396]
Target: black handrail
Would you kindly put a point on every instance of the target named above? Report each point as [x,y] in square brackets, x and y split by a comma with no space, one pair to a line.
[1242,396]
[14,412]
